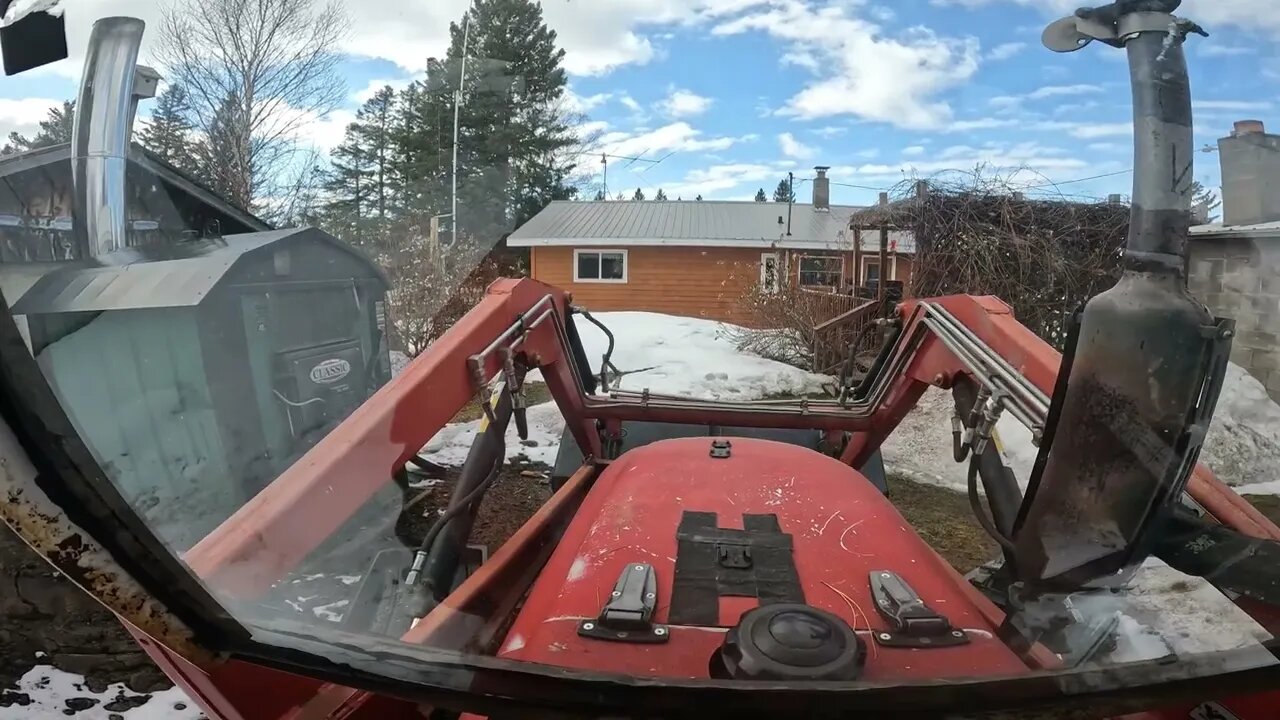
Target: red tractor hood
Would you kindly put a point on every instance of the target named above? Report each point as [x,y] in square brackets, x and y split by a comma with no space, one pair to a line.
[840,529]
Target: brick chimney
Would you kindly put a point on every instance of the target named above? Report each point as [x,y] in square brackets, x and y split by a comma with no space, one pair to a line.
[1250,174]
[822,188]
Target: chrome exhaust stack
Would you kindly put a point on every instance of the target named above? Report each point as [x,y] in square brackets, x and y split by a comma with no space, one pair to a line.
[110,87]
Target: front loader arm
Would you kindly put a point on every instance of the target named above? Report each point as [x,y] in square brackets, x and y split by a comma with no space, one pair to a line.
[307,503]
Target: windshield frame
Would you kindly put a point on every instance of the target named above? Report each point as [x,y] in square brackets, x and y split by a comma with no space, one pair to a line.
[68,476]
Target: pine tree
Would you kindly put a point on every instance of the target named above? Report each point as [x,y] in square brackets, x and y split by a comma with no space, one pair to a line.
[360,180]
[513,130]
[639,195]
[54,129]
[227,161]
[661,196]
[760,196]
[784,192]
[699,198]
[1204,202]
[168,132]
[600,196]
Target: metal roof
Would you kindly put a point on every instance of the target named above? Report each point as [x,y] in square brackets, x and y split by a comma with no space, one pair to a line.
[184,277]
[1259,229]
[144,159]
[688,223]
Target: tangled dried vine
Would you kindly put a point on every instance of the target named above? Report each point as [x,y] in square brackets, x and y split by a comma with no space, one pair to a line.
[976,235]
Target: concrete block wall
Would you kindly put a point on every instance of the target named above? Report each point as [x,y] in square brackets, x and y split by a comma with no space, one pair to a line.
[1240,279]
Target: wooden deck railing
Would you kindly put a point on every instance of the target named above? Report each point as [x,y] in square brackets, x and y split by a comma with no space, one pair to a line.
[831,339]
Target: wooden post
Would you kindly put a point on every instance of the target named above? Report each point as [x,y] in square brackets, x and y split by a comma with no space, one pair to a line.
[884,246]
[857,259]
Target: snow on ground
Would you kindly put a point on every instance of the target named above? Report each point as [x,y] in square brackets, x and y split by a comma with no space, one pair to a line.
[449,447]
[665,354]
[54,694]
[690,357]
[1242,448]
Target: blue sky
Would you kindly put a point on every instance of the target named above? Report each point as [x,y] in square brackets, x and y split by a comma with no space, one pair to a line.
[734,93]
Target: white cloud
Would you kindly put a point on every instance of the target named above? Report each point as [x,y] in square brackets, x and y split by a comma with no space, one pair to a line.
[1225,50]
[913,151]
[1063,91]
[866,72]
[829,131]
[1086,131]
[630,103]
[1004,51]
[1247,14]
[676,137]
[684,103]
[978,124]
[1232,105]
[717,179]
[793,148]
[1021,162]
[575,103]
[23,115]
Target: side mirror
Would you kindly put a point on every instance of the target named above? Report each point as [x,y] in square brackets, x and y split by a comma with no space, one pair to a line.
[35,39]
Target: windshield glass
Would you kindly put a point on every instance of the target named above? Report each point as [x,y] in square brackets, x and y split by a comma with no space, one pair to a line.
[732,340]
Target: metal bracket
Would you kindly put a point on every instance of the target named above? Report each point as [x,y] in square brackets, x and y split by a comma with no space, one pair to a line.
[720,448]
[1114,25]
[733,556]
[913,624]
[627,616]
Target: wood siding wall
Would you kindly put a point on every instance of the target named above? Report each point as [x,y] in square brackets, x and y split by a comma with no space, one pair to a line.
[690,281]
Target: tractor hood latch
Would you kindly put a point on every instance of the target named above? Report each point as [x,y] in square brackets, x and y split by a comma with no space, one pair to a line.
[913,624]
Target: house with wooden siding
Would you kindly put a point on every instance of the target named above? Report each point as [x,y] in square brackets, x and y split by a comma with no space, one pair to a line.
[702,258]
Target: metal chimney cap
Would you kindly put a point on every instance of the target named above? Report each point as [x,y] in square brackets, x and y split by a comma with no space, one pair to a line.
[1249,127]
[821,170]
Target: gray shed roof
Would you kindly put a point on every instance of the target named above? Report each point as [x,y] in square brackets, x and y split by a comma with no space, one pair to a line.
[703,224]
[154,283]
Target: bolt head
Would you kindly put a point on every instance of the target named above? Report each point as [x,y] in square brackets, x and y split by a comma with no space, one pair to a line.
[639,567]
[588,626]
[957,633]
[660,631]
[616,593]
[885,636]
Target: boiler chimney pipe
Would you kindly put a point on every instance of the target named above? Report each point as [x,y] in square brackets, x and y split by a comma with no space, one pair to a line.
[100,135]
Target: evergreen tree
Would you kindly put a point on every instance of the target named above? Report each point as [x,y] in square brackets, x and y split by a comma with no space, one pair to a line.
[784,192]
[360,179]
[639,195]
[661,196]
[600,195]
[699,198]
[513,130]
[54,129]
[1204,202]
[760,196]
[168,132]
[227,160]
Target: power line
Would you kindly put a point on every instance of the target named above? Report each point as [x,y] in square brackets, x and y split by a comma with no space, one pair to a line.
[1079,180]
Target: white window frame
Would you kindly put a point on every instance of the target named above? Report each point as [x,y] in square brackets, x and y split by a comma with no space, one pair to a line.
[626,265]
[800,270]
[778,273]
[867,264]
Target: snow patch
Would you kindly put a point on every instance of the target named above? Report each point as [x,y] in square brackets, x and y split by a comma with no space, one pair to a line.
[1242,447]
[690,357]
[450,446]
[49,689]
[399,361]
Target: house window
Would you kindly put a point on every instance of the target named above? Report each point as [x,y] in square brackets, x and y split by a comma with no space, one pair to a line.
[821,271]
[769,272]
[604,266]
[872,274]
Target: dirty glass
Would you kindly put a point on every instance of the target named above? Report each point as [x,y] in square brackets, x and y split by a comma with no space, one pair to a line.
[247,290]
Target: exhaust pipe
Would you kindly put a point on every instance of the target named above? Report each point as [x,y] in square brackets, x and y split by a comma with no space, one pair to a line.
[1149,359]
[100,136]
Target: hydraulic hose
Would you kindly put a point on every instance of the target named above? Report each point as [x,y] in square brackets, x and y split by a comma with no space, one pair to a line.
[983,519]
[606,362]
